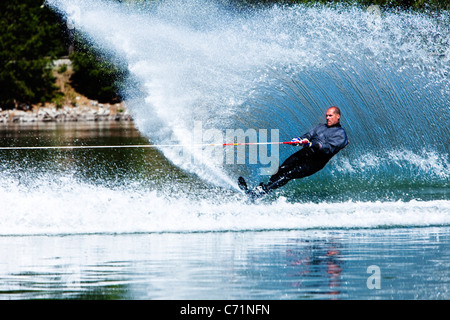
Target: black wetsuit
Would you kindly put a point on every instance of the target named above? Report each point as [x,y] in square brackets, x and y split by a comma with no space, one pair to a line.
[325,143]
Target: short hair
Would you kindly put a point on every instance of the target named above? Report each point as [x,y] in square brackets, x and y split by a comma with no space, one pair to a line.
[336,110]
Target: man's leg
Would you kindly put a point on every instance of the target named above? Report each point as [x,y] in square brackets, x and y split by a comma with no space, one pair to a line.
[284,174]
[297,166]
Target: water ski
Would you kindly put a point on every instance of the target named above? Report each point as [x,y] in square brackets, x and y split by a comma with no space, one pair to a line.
[242,184]
[258,192]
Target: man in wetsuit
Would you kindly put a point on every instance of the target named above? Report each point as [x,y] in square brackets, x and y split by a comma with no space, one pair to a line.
[320,144]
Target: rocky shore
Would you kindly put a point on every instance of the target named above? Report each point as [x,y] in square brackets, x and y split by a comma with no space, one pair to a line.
[73,106]
[90,111]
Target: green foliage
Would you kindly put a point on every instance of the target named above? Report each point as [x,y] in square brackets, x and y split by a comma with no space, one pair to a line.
[30,37]
[96,77]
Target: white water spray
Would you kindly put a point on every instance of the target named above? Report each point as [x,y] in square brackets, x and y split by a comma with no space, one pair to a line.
[273,69]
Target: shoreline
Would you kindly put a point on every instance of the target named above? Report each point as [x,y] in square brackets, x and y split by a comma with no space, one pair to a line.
[86,111]
[71,107]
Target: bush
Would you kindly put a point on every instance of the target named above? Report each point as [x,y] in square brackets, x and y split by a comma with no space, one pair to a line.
[95,76]
[30,37]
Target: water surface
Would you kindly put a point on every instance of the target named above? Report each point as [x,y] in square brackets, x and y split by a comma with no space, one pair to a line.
[272,265]
[105,224]
[166,223]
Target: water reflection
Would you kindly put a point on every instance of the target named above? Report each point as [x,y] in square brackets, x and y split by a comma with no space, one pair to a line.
[317,267]
[110,166]
[308,264]
[42,133]
[241,265]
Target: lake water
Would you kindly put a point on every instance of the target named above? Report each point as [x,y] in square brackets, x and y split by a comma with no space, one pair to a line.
[170,222]
[127,224]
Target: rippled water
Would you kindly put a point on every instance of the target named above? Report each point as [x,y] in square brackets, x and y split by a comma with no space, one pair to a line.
[166,223]
[106,224]
[310,264]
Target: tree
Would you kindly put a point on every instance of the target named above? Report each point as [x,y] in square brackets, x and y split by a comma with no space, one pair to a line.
[30,37]
[95,76]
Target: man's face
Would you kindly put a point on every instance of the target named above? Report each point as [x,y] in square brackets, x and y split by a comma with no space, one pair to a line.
[332,117]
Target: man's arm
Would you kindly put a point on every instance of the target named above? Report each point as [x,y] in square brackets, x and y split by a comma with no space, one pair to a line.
[310,134]
[335,141]
[305,139]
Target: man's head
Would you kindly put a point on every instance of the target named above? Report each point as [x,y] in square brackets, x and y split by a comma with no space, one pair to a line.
[333,116]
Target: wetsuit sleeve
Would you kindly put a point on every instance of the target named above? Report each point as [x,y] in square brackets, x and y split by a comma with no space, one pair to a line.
[310,134]
[335,141]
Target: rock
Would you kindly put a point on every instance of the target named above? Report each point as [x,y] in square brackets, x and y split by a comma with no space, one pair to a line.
[92,111]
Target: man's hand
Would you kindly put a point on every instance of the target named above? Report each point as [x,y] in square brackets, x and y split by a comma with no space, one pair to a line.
[298,141]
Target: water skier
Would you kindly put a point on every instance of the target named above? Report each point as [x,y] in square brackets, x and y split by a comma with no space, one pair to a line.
[320,144]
